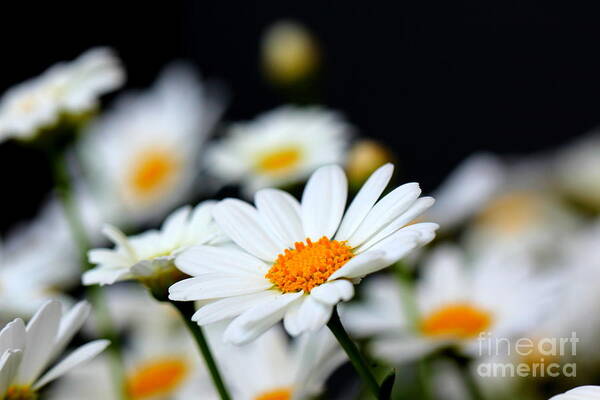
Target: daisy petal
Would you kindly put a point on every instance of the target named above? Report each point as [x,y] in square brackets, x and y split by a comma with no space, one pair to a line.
[364,200]
[12,336]
[174,226]
[292,322]
[206,259]
[281,213]
[356,267]
[39,342]
[257,320]
[413,212]
[77,357]
[231,307]
[9,364]
[323,202]
[70,324]
[242,223]
[385,211]
[314,314]
[216,285]
[333,292]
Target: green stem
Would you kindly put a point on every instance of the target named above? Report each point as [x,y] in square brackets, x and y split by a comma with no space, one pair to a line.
[356,358]
[470,383]
[95,294]
[187,310]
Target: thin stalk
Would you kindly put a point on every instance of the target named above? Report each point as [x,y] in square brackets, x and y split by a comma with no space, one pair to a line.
[95,294]
[187,310]
[470,383]
[358,361]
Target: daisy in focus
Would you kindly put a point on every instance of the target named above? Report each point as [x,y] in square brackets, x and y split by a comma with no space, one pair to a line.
[279,148]
[144,154]
[26,352]
[580,393]
[161,360]
[66,90]
[272,368]
[295,261]
[455,304]
[149,257]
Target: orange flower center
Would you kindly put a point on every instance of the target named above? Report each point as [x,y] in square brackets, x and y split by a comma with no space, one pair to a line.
[460,321]
[152,171]
[20,393]
[279,161]
[277,394]
[159,377]
[309,264]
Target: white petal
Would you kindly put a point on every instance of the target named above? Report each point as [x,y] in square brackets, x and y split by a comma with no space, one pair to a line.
[291,321]
[400,350]
[356,267]
[104,276]
[206,259]
[314,314]
[364,201]
[242,223]
[385,211]
[77,357]
[12,336]
[70,324]
[9,365]
[231,307]
[580,393]
[323,202]
[174,227]
[333,292]
[281,213]
[413,212]
[39,342]
[216,285]
[257,320]
[118,238]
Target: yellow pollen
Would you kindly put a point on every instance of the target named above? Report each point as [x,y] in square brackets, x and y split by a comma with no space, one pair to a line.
[279,161]
[20,393]
[159,377]
[309,264]
[459,321]
[152,171]
[277,394]
[510,213]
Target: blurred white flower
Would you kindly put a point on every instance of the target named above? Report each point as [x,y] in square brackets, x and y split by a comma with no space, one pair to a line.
[280,147]
[454,304]
[26,352]
[161,359]
[150,256]
[298,261]
[40,258]
[577,170]
[289,53]
[272,368]
[580,393]
[468,188]
[144,155]
[66,89]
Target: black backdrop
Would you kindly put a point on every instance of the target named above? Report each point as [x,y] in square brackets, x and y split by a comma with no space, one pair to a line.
[435,80]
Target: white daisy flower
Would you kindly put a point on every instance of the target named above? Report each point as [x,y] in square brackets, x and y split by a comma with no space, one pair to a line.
[272,368]
[455,304]
[577,170]
[144,154]
[66,89]
[580,393]
[281,147]
[149,257]
[161,360]
[26,352]
[297,261]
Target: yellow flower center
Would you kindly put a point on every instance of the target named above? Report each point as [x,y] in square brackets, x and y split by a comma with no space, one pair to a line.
[510,213]
[153,172]
[460,321]
[309,264]
[277,394]
[159,377]
[20,393]
[279,161]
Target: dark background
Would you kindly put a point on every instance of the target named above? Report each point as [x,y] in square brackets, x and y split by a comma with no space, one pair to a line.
[434,80]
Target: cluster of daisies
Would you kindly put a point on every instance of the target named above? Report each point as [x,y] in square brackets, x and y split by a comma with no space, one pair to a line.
[319,258]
